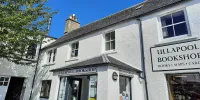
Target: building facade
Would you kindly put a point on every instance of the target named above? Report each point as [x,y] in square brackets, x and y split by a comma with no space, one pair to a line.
[110,59]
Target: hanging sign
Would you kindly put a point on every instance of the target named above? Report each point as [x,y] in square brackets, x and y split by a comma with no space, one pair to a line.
[176,57]
[76,71]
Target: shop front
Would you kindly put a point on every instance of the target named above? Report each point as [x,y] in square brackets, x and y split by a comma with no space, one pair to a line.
[95,80]
[180,66]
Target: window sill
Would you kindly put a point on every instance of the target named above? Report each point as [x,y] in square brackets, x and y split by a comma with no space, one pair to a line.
[110,52]
[48,64]
[176,40]
[44,97]
[71,59]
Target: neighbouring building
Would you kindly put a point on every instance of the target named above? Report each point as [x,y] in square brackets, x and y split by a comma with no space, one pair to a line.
[16,80]
[107,59]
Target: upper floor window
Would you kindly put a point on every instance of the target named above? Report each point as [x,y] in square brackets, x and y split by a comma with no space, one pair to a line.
[174,24]
[74,49]
[52,55]
[31,53]
[110,41]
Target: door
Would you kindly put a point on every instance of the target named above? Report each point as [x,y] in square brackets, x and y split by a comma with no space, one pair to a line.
[75,91]
[4,82]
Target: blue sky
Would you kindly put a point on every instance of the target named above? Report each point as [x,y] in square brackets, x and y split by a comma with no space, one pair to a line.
[87,11]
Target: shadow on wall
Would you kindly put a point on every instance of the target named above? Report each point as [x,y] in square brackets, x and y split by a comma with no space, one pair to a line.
[41,74]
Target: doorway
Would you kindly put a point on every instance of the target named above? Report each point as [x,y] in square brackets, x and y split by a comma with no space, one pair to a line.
[15,88]
[75,92]
[78,88]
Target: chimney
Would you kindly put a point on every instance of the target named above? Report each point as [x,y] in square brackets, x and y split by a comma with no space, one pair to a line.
[71,24]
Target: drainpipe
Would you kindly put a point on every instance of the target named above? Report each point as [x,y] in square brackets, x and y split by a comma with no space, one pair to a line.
[36,68]
[142,57]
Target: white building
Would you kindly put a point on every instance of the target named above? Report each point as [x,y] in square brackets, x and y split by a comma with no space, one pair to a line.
[16,80]
[104,59]
[171,48]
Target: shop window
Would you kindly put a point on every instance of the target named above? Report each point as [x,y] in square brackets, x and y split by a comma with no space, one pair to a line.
[110,41]
[125,87]
[51,55]
[74,49]
[93,88]
[184,86]
[45,90]
[174,24]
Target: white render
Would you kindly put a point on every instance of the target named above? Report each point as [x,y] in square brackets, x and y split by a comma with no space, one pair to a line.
[157,82]
[10,69]
[127,50]
[126,34]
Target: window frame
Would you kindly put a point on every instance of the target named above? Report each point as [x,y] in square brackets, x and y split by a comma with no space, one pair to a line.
[51,58]
[180,37]
[110,40]
[45,88]
[71,50]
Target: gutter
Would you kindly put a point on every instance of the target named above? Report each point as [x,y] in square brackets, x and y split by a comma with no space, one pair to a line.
[143,74]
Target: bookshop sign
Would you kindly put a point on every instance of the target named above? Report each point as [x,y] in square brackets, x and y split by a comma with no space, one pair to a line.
[180,56]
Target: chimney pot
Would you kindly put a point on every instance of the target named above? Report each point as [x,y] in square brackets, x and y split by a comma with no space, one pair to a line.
[71,24]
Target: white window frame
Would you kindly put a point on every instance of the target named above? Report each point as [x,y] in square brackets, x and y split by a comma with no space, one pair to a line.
[175,38]
[70,53]
[104,42]
[51,56]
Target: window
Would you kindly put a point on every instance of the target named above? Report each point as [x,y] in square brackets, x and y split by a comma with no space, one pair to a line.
[51,55]
[110,41]
[174,24]
[45,90]
[74,49]
[54,55]
[4,81]
[31,51]
[184,86]
[124,85]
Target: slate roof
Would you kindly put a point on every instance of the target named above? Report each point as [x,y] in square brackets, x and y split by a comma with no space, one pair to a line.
[97,61]
[146,7]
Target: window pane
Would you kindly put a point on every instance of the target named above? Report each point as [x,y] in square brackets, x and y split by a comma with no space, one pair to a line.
[1,83]
[184,86]
[73,46]
[73,53]
[2,79]
[45,89]
[112,45]
[113,36]
[5,83]
[77,44]
[181,29]
[166,20]
[168,32]
[107,45]
[6,79]
[178,17]
[122,84]
[76,53]
[107,36]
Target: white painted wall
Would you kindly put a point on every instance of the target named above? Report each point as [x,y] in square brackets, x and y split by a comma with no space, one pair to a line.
[10,69]
[157,84]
